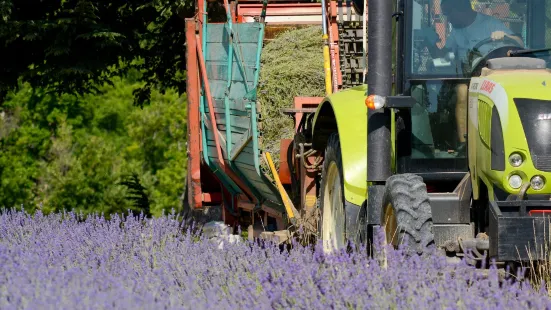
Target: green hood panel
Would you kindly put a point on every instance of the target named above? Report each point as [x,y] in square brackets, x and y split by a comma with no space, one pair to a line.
[500,92]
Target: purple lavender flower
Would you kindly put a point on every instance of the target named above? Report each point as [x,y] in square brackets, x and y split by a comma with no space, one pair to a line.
[66,261]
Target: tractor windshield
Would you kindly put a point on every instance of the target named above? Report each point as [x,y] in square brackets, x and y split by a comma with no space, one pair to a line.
[451,38]
[445,43]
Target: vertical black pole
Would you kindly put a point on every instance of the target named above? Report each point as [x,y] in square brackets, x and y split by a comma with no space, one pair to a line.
[379,80]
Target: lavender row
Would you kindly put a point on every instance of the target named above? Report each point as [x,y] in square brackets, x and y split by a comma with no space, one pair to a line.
[63,261]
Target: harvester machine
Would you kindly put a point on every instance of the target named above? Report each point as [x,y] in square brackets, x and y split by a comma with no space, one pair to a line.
[435,130]
[225,176]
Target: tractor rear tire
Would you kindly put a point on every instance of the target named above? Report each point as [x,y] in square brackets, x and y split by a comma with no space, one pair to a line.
[407,216]
[331,226]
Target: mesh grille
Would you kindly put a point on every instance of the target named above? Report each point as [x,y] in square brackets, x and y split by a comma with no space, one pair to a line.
[542,162]
[537,128]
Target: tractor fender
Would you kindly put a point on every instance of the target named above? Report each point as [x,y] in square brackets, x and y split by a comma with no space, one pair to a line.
[345,112]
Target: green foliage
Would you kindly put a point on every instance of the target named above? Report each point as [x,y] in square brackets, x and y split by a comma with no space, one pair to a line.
[72,46]
[89,154]
[291,65]
[138,193]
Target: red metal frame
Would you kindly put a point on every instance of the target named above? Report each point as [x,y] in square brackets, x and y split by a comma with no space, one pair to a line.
[307,176]
[533,212]
[284,172]
[278,9]
[286,13]
[334,44]
[212,198]
[194,133]
[227,217]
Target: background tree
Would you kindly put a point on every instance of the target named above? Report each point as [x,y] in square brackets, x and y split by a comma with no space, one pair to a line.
[69,73]
[96,153]
[75,46]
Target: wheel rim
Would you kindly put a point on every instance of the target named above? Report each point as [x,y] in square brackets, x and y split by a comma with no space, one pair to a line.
[391,226]
[333,211]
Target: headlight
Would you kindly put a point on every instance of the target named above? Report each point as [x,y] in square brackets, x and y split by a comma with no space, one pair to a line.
[515,159]
[537,183]
[515,181]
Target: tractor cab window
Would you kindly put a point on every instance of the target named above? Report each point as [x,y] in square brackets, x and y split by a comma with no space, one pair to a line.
[452,37]
[435,133]
[446,42]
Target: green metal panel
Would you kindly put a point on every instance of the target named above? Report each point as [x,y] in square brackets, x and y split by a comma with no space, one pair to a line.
[262,184]
[350,115]
[500,91]
[232,71]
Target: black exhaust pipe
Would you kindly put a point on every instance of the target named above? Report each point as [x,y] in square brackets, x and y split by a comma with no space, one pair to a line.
[379,80]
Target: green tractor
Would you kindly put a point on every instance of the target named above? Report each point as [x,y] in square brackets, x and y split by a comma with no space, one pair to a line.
[447,144]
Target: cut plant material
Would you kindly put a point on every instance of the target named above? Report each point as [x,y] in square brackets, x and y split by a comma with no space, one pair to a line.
[291,66]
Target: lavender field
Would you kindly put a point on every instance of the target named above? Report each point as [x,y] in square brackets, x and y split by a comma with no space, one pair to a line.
[55,261]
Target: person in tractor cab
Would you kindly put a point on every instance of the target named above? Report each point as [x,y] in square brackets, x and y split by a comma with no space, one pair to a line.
[469,28]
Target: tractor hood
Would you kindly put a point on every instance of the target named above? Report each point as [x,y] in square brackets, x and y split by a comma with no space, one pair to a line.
[510,108]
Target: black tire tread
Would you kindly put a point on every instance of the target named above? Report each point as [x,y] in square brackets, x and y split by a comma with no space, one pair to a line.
[408,195]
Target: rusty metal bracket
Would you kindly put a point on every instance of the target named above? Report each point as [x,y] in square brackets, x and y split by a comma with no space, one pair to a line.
[302,155]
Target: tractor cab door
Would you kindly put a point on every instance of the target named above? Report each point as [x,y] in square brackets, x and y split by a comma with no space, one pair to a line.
[428,140]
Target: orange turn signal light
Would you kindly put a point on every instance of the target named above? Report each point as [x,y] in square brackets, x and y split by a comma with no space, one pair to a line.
[374,102]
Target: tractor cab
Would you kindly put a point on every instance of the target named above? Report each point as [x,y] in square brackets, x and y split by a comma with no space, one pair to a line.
[442,45]
[470,122]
